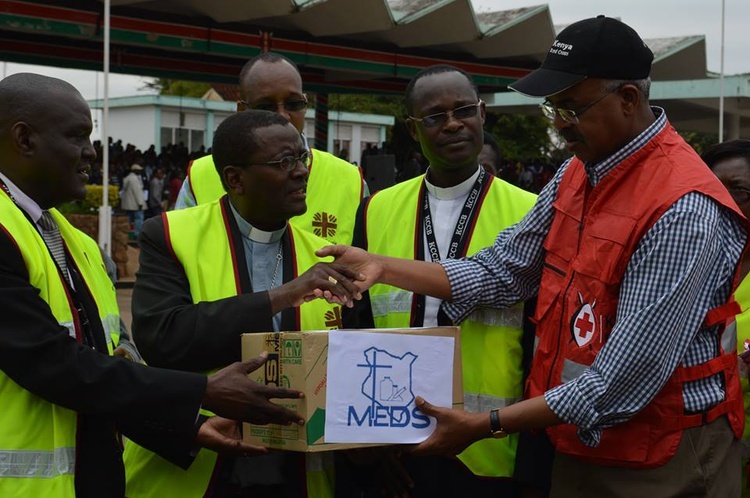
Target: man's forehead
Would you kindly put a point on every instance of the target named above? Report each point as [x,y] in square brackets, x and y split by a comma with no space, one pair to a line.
[263,70]
[279,134]
[447,85]
[449,81]
[63,107]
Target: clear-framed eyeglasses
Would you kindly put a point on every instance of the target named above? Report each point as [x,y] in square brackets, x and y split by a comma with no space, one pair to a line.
[288,163]
[440,118]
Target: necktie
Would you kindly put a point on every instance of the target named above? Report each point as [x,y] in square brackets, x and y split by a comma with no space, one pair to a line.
[53,239]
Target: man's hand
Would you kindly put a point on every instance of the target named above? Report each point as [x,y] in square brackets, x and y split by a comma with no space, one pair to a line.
[231,394]
[223,436]
[366,265]
[456,430]
[122,353]
[332,281]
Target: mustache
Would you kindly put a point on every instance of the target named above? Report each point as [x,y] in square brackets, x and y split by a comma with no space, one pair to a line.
[570,135]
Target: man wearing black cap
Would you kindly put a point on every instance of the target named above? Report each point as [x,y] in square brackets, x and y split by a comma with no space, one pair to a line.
[633,249]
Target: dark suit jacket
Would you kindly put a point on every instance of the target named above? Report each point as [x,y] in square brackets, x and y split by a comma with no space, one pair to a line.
[155,407]
[172,332]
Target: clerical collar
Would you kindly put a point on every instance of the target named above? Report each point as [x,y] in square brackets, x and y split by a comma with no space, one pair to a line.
[256,234]
[454,192]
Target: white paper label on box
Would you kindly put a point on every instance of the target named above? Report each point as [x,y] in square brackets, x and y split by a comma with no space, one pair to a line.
[373,380]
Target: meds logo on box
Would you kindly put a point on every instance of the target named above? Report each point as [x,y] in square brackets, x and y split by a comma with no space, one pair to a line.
[387,399]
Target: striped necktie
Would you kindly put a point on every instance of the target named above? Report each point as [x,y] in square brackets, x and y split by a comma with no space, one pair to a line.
[54,241]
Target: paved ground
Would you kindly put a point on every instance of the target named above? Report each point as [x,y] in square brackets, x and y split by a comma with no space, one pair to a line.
[125,285]
[123,301]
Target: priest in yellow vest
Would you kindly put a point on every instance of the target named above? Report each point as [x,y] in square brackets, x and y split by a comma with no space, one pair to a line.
[452,211]
[235,265]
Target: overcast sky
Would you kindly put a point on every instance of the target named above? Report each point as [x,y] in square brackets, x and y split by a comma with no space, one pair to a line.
[650,18]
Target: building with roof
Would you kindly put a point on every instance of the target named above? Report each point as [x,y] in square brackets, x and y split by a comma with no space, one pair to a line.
[144,120]
[342,46]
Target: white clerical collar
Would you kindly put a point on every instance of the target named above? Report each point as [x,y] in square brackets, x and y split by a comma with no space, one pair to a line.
[454,192]
[256,234]
[22,200]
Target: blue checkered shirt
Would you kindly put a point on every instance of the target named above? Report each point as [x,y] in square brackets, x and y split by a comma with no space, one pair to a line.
[681,268]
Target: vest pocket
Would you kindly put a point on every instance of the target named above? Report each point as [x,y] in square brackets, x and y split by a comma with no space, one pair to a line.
[602,246]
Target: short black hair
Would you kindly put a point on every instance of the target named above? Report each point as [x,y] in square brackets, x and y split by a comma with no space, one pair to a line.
[234,139]
[432,70]
[489,139]
[726,150]
[19,96]
[264,57]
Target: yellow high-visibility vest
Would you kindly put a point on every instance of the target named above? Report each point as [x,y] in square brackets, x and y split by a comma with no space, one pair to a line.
[334,191]
[201,242]
[38,438]
[490,338]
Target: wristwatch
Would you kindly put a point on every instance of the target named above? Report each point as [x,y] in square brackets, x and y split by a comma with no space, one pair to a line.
[496,428]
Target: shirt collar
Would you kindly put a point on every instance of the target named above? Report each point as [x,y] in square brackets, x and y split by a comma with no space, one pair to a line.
[22,200]
[256,234]
[597,171]
[454,192]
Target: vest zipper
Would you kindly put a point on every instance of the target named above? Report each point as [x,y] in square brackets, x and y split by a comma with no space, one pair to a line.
[554,269]
[567,287]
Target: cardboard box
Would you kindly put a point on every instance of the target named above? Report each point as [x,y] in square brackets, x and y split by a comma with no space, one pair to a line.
[298,360]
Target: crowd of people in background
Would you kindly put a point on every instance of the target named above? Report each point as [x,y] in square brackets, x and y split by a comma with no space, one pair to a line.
[162,174]
[173,161]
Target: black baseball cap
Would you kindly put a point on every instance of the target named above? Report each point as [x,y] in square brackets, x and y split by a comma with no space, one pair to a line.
[599,47]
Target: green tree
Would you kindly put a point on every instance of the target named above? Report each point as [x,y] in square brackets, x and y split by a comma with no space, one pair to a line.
[178,88]
[520,137]
[389,105]
[700,141]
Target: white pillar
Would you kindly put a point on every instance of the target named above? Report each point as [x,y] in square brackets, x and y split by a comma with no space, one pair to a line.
[105,211]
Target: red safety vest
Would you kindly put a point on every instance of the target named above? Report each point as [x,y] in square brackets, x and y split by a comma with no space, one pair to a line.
[594,233]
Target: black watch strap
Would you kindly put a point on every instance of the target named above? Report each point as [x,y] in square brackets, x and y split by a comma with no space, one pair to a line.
[496,428]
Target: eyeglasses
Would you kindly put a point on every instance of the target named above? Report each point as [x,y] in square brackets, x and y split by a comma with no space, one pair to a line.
[288,163]
[289,105]
[569,115]
[439,119]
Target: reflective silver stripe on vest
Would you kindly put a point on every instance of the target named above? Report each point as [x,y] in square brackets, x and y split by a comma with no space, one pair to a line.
[111,323]
[390,302]
[729,337]
[480,403]
[498,317]
[571,370]
[71,328]
[37,464]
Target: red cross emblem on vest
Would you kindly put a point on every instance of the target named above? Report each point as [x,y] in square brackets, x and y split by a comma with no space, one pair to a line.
[324,225]
[333,318]
[583,326]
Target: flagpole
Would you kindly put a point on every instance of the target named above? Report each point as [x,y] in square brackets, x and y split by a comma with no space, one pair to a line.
[721,78]
[105,211]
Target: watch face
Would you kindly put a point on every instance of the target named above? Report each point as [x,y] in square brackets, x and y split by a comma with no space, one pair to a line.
[499,434]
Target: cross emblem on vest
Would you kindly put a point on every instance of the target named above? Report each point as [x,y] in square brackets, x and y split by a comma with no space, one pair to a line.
[324,225]
[333,318]
[583,325]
